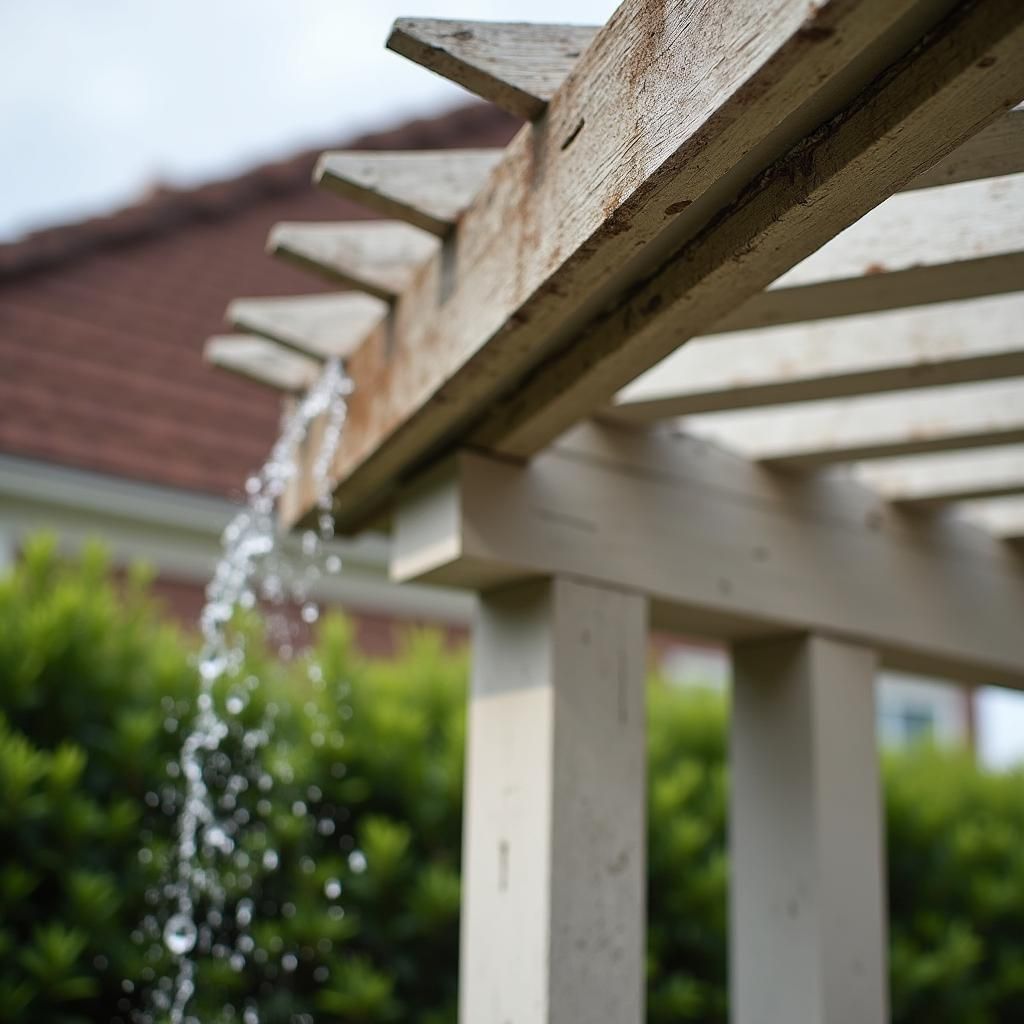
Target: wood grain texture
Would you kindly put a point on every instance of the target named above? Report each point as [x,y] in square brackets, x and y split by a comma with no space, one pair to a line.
[817,434]
[993,152]
[516,66]
[944,477]
[951,242]
[380,258]
[315,325]
[948,343]
[262,361]
[429,189]
[725,548]
[651,138]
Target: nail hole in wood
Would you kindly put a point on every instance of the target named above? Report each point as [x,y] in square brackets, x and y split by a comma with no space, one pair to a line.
[571,137]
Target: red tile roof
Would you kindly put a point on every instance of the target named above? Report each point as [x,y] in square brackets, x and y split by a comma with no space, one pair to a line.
[102,323]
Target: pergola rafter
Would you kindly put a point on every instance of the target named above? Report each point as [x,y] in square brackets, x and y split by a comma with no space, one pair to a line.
[826,204]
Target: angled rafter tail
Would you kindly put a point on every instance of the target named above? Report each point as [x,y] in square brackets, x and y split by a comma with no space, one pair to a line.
[427,189]
[518,67]
[262,361]
[379,258]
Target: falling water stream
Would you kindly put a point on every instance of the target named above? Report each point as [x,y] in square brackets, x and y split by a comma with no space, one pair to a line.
[253,567]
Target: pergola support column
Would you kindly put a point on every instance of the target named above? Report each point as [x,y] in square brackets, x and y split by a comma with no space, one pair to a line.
[553,918]
[808,922]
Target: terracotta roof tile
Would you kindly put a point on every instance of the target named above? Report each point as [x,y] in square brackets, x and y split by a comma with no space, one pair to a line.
[102,323]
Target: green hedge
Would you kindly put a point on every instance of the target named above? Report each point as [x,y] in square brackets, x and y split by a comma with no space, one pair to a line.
[95,694]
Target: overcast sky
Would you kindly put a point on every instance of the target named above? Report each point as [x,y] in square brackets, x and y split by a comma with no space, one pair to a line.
[100,99]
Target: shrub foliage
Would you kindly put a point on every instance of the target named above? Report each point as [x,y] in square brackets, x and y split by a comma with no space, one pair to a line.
[95,693]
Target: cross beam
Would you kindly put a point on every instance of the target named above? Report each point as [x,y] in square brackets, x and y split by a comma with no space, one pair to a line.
[723,548]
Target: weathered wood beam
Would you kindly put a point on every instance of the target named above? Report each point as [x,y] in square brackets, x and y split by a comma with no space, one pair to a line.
[516,66]
[568,227]
[1003,517]
[380,258]
[262,361]
[723,548]
[948,343]
[844,430]
[554,849]
[993,152]
[934,479]
[953,242]
[315,325]
[807,906]
[429,189]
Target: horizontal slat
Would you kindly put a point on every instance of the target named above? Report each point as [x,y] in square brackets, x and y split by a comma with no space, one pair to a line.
[723,548]
[934,245]
[612,230]
[844,430]
[427,188]
[316,325]
[944,477]
[377,257]
[993,152]
[943,344]
[1003,517]
[516,66]
[262,361]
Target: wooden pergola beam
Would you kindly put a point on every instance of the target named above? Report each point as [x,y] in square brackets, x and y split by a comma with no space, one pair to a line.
[952,242]
[845,430]
[948,343]
[516,66]
[262,361]
[723,548]
[380,258]
[928,480]
[429,189]
[507,324]
[315,325]
[1003,517]
[993,152]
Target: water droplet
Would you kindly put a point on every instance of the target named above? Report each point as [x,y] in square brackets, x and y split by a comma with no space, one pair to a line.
[333,564]
[357,861]
[235,704]
[310,612]
[332,888]
[270,859]
[289,962]
[180,934]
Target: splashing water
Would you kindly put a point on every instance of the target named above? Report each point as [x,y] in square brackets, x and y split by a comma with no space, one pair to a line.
[252,565]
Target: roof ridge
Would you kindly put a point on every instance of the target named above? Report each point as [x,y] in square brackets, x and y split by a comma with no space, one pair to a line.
[165,209]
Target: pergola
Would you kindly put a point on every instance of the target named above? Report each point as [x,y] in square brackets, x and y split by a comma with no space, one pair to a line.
[727,340]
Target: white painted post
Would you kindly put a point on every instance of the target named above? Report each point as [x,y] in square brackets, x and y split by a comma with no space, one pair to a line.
[554,851]
[807,916]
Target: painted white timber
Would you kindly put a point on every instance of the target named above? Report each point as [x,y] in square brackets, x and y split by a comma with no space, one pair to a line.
[943,344]
[950,242]
[429,189]
[814,434]
[554,854]
[585,259]
[943,477]
[1003,517]
[807,924]
[994,151]
[724,548]
[261,360]
[316,325]
[178,533]
[516,66]
[380,258]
